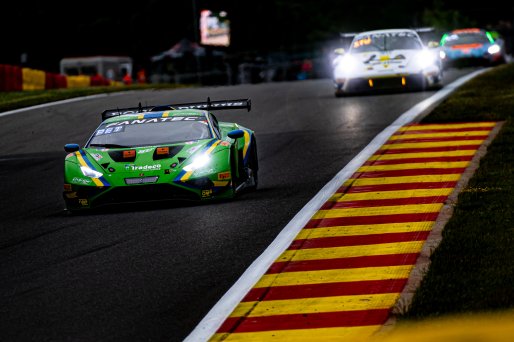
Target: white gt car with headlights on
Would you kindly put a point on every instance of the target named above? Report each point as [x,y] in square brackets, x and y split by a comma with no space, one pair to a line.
[386,59]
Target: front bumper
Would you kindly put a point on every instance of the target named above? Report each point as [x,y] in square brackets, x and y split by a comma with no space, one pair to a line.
[370,84]
[87,197]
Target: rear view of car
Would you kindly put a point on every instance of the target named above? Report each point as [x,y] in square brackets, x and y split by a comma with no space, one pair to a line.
[471,46]
[386,59]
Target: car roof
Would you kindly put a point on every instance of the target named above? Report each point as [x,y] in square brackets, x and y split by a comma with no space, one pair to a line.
[157,114]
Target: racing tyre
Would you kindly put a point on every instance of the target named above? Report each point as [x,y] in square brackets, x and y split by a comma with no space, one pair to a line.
[254,166]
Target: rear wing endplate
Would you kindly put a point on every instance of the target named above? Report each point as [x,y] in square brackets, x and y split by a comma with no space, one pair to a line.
[208,105]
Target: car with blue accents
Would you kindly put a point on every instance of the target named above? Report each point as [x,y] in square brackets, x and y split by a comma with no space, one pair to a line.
[471,46]
[157,153]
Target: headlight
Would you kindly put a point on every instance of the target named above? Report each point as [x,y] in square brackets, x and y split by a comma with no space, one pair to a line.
[424,59]
[86,171]
[199,162]
[346,65]
[495,48]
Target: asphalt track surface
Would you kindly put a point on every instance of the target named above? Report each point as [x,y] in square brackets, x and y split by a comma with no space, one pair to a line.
[151,272]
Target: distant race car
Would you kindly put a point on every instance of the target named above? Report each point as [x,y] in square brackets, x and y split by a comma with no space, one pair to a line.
[171,152]
[471,45]
[386,59]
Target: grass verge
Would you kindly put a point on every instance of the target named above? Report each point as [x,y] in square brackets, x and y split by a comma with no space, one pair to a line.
[20,99]
[472,270]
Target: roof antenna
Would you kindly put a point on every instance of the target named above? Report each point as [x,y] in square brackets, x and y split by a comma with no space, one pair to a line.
[140,109]
[208,102]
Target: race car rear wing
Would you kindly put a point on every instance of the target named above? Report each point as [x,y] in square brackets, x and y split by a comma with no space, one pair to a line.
[208,105]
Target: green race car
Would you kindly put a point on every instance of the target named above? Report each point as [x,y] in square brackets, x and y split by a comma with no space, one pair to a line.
[156,153]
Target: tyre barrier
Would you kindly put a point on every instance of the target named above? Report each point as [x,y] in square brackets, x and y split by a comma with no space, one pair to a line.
[10,78]
[78,81]
[14,78]
[33,79]
[55,81]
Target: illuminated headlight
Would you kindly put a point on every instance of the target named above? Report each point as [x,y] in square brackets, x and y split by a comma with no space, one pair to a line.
[86,171]
[495,48]
[442,54]
[199,162]
[346,65]
[425,59]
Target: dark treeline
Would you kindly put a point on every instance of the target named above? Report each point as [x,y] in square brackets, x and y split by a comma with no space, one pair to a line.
[48,31]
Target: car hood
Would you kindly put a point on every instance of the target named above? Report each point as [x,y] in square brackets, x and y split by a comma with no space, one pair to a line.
[386,59]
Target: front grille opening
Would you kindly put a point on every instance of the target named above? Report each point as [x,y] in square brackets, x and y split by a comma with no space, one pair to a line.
[141,180]
[145,193]
[202,183]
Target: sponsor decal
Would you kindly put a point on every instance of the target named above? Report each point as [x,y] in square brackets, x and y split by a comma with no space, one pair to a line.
[69,155]
[109,130]
[83,181]
[392,34]
[220,183]
[173,165]
[213,105]
[224,175]
[153,120]
[207,193]
[193,149]
[97,156]
[110,113]
[167,172]
[111,169]
[361,42]
[224,143]
[132,167]
[146,150]
[83,202]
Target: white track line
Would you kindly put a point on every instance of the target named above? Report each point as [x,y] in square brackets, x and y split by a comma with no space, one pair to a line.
[224,307]
[56,103]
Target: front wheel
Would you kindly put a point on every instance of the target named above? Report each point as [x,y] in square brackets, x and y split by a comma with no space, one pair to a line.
[253,167]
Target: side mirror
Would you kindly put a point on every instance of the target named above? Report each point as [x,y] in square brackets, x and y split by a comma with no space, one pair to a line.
[235,134]
[339,52]
[71,147]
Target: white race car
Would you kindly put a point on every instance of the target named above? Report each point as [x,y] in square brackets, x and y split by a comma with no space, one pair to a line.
[386,59]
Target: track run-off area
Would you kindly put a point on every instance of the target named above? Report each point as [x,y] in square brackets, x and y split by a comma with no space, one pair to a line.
[154,271]
[347,267]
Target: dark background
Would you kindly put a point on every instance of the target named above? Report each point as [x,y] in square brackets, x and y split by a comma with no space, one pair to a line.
[47,31]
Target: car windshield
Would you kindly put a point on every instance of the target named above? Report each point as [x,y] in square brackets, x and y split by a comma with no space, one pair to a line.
[385,42]
[149,132]
[466,38]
